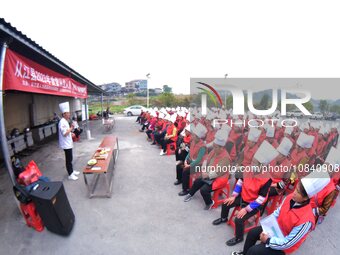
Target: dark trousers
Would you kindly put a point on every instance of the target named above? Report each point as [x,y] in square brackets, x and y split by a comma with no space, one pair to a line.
[145,126]
[260,249]
[159,136]
[239,223]
[148,133]
[205,189]
[272,193]
[165,142]
[180,156]
[69,158]
[185,178]
[77,132]
[179,170]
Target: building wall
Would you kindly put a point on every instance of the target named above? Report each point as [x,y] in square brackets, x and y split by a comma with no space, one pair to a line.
[23,110]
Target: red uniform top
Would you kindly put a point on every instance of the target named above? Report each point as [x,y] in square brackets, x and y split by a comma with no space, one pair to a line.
[234,137]
[194,149]
[318,199]
[213,159]
[248,154]
[293,217]
[251,187]
[298,157]
[312,150]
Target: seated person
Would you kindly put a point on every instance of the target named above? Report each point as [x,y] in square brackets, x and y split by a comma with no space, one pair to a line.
[213,177]
[294,217]
[194,158]
[170,135]
[183,146]
[77,130]
[250,192]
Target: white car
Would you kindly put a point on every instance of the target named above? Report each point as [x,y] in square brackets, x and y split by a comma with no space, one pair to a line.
[134,110]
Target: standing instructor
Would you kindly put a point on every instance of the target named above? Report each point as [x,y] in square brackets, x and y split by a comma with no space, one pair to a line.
[65,139]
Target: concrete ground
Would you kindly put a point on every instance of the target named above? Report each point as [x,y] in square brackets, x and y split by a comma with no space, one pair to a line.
[144,216]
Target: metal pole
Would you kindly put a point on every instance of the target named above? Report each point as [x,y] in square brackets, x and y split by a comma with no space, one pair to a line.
[4,145]
[86,115]
[101,101]
[147,94]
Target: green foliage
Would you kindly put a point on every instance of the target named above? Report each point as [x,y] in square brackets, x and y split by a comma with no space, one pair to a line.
[167,89]
[309,106]
[131,99]
[324,106]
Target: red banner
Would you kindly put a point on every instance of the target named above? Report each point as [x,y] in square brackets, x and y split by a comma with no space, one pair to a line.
[23,74]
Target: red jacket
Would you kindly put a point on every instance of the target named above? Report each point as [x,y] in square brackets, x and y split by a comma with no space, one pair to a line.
[290,218]
[248,154]
[251,187]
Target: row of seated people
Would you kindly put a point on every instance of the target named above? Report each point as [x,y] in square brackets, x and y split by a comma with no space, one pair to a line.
[198,170]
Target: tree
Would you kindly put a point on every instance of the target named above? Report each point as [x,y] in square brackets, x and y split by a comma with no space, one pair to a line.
[167,89]
[323,105]
[309,106]
[264,102]
[131,99]
[167,99]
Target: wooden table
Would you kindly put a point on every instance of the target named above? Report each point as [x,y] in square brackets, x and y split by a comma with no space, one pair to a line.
[107,166]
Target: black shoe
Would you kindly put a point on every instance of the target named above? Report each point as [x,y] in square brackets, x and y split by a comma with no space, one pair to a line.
[219,221]
[153,143]
[183,193]
[177,182]
[234,241]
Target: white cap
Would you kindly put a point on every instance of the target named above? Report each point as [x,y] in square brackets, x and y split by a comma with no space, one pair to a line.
[288,130]
[161,115]
[333,156]
[315,182]
[167,117]
[270,131]
[173,118]
[285,146]
[200,130]
[254,134]
[188,117]
[64,107]
[315,125]
[305,141]
[304,126]
[265,153]
[221,137]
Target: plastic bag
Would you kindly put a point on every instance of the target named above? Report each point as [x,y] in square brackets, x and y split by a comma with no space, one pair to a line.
[31,174]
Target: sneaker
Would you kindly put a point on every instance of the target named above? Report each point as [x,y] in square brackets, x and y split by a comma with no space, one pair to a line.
[75,172]
[187,198]
[237,253]
[162,153]
[73,177]
[153,143]
[233,241]
[208,207]
[177,182]
[183,193]
[219,221]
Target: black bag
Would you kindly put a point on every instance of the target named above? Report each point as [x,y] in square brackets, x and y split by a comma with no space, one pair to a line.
[22,194]
[17,166]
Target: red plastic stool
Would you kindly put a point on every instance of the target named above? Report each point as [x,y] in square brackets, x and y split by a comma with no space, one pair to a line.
[74,138]
[31,216]
[251,224]
[220,195]
[273,203]
[168,148]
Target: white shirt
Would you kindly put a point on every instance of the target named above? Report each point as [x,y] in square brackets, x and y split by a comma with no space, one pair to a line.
[65,142]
